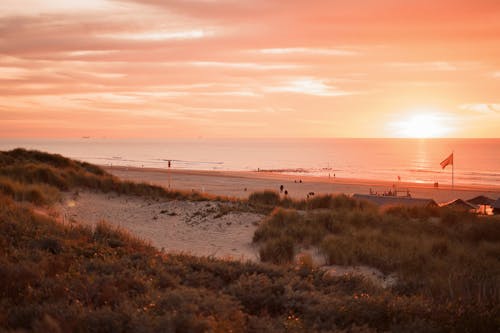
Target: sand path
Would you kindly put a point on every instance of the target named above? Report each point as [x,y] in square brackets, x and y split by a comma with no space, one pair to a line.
[197,228]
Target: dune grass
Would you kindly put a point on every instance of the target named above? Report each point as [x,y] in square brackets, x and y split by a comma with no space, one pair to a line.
[44,175]
[438,253]
[57,278]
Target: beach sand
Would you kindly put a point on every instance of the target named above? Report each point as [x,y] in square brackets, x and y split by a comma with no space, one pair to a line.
[234,183]
[196,228]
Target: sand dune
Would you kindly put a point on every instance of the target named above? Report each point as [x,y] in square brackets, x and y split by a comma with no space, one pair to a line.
[197,228]
[212,228]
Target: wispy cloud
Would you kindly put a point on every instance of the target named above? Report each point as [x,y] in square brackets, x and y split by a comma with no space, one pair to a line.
[309,51]
[424,66]
[308,86]
[14,72]
[161,35]
[483,108]
[242,65]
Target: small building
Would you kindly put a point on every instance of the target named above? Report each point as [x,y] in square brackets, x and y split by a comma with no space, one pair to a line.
[496,207]
[484,203]
[459,204]
[381,200]
[481,200]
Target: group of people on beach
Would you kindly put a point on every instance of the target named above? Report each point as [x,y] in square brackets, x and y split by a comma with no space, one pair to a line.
[282,190]
[285,192]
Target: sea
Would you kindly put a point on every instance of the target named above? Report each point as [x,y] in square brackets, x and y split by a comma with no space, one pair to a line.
[476,161]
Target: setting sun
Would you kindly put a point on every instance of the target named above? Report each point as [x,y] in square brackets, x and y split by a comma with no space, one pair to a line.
[184,69]
[421,125]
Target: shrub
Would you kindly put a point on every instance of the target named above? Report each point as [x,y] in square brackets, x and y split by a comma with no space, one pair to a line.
[483,231]
[336,202]
[49,244]
[104,320]
[338,251]
[278,251]
[267,197]
[259,294]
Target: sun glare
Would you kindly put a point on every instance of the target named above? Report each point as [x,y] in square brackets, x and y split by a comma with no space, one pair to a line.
[423,125]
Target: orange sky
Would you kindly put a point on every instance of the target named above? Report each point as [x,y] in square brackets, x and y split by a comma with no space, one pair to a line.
[260,68]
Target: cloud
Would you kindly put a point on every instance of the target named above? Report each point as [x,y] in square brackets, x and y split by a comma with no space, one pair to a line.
[483,108]
[241,65]
[14,72]
[424,66]
[160,35]
[308,86]
[309,51]
[171,59]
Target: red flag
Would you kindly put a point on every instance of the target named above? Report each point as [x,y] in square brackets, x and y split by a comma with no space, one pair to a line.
[448,160]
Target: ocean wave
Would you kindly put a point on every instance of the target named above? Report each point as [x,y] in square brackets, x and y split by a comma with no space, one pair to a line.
[424,171]
[485,173]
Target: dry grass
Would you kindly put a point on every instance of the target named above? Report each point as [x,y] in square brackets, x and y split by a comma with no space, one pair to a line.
[37,177]
[74,279]
[437,253]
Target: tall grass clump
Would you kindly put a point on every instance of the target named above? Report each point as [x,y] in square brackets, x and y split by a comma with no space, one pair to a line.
[337,202]
[278,250]
[39,194]
[267,197]
[442,254]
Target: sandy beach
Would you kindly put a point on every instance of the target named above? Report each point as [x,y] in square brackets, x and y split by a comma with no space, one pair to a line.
[241,183]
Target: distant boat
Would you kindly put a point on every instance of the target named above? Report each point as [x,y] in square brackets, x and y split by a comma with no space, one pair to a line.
[85,137]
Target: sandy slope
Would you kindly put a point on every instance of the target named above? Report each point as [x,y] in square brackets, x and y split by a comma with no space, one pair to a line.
[197,228]
[176,226]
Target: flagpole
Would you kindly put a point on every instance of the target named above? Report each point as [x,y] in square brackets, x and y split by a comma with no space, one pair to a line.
[453,171]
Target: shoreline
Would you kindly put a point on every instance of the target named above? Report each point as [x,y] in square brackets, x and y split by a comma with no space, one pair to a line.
[234,183]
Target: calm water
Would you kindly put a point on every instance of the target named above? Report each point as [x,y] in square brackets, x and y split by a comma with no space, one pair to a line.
[477,161]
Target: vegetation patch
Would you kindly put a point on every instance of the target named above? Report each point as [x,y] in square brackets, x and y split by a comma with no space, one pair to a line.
[437,253]
[38,177]
[58,278]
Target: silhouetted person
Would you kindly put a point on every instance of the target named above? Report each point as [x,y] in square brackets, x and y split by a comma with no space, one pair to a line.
[286,192]
[282,188]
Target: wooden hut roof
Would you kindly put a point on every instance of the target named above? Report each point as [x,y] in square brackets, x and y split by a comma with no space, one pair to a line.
[381,200]
[481,200]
